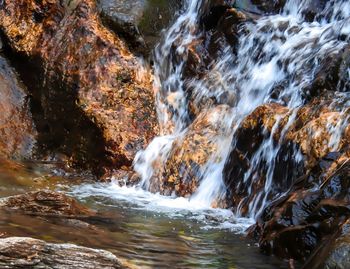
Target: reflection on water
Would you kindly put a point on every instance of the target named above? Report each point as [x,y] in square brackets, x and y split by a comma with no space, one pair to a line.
[146,230]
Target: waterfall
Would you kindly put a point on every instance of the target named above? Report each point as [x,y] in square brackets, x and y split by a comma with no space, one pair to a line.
[281,51]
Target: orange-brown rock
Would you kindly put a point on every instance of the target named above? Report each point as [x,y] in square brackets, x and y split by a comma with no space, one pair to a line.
[185,165]
[93,100]
[308,130]
[45,203]
[17,131]
[315,184]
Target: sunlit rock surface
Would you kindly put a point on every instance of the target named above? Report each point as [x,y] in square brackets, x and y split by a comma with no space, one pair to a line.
[25,252]
[185,165]
[17,130]
[315,203]
[93,99]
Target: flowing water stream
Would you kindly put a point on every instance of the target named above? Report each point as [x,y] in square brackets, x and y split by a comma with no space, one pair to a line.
[282,51]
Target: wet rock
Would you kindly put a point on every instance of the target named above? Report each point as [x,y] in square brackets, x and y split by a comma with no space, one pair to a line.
[308,216]
[123,17]
[45,203]
[313,9]
[261,6]
[93,99]
[139,22]
[247,168]
[331,75]
[25,252]
[339,256]
[185,165]
[315,201]
[221,24]
[17,130]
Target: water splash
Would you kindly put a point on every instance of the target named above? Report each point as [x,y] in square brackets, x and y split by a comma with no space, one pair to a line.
[277,59]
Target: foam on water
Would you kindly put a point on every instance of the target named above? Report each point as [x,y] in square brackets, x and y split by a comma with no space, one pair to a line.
[174,207]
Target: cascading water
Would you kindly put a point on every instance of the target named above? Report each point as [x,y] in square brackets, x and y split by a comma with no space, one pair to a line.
[276,61]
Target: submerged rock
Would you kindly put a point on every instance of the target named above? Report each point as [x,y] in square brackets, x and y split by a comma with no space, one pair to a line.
[93,100]
[25,252]
[17,130]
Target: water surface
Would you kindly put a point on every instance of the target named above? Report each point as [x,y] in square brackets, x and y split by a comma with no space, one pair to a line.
[149,231]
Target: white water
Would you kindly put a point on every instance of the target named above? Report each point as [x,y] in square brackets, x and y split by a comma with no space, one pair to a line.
[174,207]
[274,50]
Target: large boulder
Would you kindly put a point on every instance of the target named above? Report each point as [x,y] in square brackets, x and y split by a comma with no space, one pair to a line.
[247,167]
[300,138]
[92,99]
[308,192]
[17,130]
[25,252]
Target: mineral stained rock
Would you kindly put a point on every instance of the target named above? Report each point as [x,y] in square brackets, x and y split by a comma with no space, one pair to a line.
[94,99]
[45,203]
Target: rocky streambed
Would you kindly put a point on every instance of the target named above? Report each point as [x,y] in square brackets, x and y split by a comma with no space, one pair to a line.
[238,105]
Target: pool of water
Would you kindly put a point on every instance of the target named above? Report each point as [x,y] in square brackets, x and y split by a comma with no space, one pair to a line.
[146,230]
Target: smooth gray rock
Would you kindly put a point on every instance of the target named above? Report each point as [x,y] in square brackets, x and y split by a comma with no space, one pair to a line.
[25,252]
[339,256]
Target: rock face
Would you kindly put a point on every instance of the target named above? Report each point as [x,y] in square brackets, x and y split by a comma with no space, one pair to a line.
[139,22]
[185,166]
[93,102]
[315,186]
[24,252]
[309,134]
[306,217]
[45,203]
[17,131]
[339,255]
